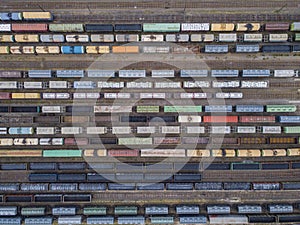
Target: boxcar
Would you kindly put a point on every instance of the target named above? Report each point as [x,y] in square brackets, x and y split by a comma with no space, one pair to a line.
[128,27]
[161,27]
[29,27]
[277,26]
[248,27]
[99,27]
[66,27]
[222,27]
[37,16]
[276,48]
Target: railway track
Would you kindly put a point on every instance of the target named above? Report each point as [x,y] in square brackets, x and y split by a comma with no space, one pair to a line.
[151,4]
[197,196]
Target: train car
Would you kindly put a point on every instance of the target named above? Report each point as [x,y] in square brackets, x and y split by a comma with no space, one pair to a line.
[280,208]
[128,27]
[283,140]
[293,151]
[278,37]
[155,49]
[125,49]
[276,48]
[291,130]
[57,38]
[99,28]
[194,130]
[5,95]
[281,108]
[132,73]
[162,73]
[69,220]
[220,129]
[198,153]
[228,37]
[37,16]
[69,73]
[195,27]
[147,109]
[218,209]
[247,27]
[7,38]
[102,38]
[284,73]
[9,84]
[220,119]
[273,152]
[289,119]
[253,37]
[162,152]
[47,49]
[277,26]
[39,73]
[66,27]
[216,49]
[271,129]
[4,50]
[224,73]
[223,153]
[243,209]
[161,27]
[254,84]
[26,141]
[248,153]
[222,27]
[21,130]
[257,119]
[256,73]
[177,37]
[7,16]
[228,219]
[100,73]
[297,37]
[97,49]
[249,108]
[193,73]
[246,130]
[218,108]
[247,48]
[189,119]
[84,85]
[202,37]
[178,108]
[72,49]
[6,141]
[5,28]
[45,130]
[127,37]
[295,26]
[29,27]
[196,84]
[77,38]
[152,38]
[32,85]
[10,74]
